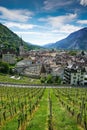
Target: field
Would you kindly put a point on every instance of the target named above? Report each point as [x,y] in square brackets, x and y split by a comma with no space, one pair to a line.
[43,108]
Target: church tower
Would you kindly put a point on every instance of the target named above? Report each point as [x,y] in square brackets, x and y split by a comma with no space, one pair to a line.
[21,48]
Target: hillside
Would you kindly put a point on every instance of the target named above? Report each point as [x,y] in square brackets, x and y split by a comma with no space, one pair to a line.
[9,39]
[76,40]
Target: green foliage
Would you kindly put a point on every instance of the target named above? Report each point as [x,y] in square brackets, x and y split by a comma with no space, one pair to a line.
[43,79]
[57,79]
[49,79]
[51,108]
[23,80]
[72,53]
[14,106]
[19,59]
[39,122]
[4,67]
[8,39]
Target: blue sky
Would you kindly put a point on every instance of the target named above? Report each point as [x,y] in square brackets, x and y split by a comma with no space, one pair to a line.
[43,21]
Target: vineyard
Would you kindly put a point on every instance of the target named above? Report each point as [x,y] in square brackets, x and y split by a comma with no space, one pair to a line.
[43,108]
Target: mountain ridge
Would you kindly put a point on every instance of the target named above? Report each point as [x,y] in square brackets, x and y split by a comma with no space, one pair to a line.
[76,40]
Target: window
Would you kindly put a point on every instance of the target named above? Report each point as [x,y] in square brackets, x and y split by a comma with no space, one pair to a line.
[74,81]
[74,77]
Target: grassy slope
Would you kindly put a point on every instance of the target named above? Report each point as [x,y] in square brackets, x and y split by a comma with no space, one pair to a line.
[23,80]
[11,124]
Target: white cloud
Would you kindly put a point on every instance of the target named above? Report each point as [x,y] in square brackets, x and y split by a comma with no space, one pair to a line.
[19,25]
[82,21]
[83,2]
[58,21]
[54,29]
[67,29]
[51,36]
[55,4]
[15,15]
[40,38]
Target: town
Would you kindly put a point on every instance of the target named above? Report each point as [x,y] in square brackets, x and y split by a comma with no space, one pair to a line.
[69,66]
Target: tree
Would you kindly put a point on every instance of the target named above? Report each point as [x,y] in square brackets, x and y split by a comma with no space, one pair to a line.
[49,79]
[43,79]
[4,67]
[82,53]
[72,52]
[57,80]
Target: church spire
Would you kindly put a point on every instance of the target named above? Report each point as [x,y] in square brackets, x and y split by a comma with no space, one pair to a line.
[21,47]
[43,70]
[21,42]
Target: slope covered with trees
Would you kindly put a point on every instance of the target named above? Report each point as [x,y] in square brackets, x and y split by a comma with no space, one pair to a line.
[9,39]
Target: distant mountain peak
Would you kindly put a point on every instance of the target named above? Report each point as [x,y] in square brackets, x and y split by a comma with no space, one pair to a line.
[76,40]
[85,28]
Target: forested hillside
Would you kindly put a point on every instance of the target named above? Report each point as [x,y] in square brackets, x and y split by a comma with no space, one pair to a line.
[9,39]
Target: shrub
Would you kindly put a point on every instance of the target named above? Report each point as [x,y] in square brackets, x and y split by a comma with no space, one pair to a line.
[4,67]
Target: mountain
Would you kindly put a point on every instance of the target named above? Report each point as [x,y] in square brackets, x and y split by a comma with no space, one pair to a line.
[48,45]
[76,40]
[9,39]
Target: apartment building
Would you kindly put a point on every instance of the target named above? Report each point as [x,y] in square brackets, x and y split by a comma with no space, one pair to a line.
[74,75]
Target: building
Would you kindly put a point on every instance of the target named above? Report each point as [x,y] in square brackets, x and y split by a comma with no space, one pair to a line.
[74,75]
[21,49]
[58,71]
[9,56]
[32,70]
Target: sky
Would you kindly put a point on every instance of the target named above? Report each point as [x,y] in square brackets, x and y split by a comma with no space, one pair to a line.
[43,21]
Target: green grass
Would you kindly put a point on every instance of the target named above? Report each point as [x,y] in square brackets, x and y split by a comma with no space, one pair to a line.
[61,118]
[11,125]
[39,121]
[23,80]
